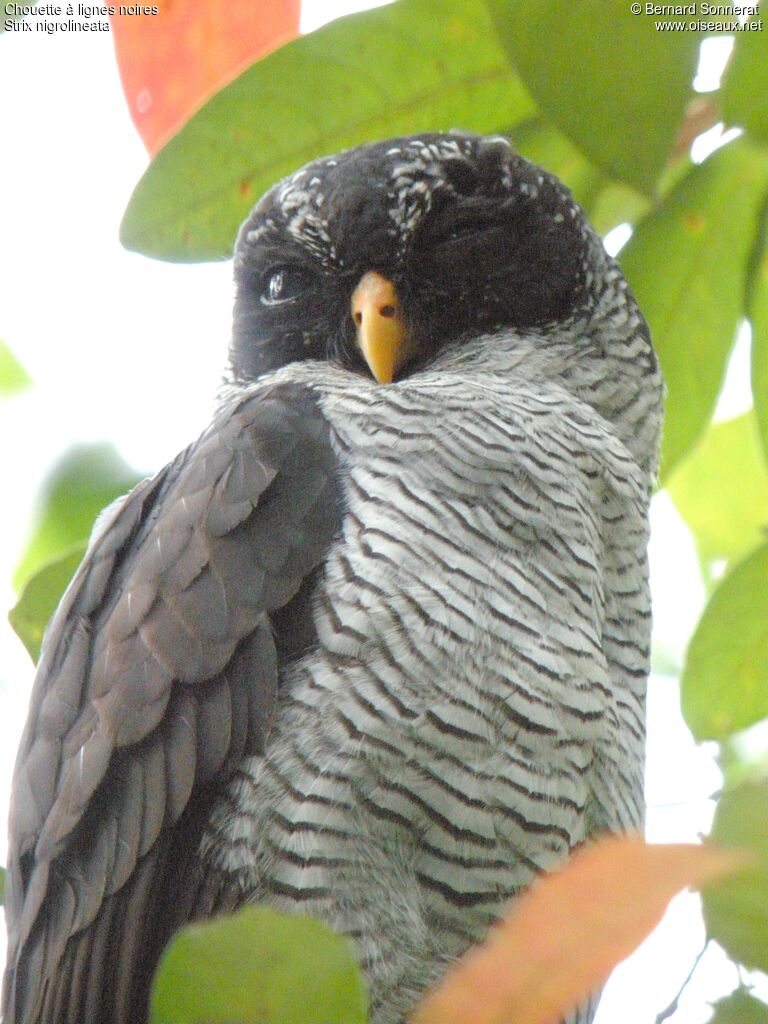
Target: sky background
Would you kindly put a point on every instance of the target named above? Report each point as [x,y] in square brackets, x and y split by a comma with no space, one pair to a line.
[131,350]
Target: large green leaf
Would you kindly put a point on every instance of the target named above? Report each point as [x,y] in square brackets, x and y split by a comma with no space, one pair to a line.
[687,263]
[614,84]
[758,315]
[616,204]
[79,486]
[739,1008]
[259,967]
[13,376]
[416,65]
[722,490]
[40,596]
[723,686]
[539,141]
[606,202]
[736,910]
[745,88]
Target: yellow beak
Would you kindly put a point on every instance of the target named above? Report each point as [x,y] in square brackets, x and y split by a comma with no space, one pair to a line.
[382,338]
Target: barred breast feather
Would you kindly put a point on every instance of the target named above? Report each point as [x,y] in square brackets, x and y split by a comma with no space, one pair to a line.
[473,706]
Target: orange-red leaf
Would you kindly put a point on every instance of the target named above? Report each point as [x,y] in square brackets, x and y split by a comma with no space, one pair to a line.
[560,941]
[172,61]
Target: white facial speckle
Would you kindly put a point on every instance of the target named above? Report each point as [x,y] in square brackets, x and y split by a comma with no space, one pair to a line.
[256,234]
[417,177]
[300,206]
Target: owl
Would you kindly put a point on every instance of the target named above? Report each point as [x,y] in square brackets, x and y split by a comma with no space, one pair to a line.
[374,648]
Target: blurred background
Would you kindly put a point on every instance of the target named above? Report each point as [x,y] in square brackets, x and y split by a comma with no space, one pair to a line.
[120,357]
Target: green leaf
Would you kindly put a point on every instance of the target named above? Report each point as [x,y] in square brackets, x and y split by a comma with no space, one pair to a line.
[412,66]
[259,967]
[686,263]
[13,376]
[605,202]
[40,596]
[744,93]
[721,491]
[736,909]
[743,756]
[616,204]
[758,315]
[723,685]
[79,486]
[540,142]
[739,1008]
[611,82]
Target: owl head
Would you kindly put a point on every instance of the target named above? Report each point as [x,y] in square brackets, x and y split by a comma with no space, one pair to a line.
[393,257]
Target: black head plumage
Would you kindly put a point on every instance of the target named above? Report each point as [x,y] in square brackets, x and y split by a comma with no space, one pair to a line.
[474,237]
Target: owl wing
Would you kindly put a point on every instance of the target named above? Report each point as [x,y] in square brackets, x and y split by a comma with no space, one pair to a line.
[158,673]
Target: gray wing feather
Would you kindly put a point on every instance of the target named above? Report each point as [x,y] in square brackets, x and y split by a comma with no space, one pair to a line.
[158,672]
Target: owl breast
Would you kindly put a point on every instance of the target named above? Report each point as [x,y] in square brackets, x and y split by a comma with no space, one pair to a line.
[445,738]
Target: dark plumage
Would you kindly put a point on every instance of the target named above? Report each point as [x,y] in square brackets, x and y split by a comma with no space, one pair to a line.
[371,650]
[158,673]
[487,255]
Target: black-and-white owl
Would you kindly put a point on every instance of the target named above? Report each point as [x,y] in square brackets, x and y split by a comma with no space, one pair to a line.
[374,648]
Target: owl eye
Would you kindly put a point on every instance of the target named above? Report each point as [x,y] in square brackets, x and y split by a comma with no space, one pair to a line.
[282,284]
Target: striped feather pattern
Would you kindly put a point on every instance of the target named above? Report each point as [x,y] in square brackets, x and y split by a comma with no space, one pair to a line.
[474,705]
